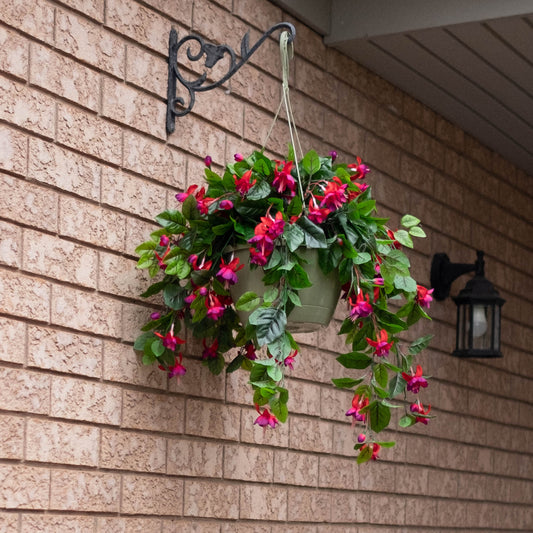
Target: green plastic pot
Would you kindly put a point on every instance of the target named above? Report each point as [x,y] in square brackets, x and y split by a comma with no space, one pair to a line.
[318,302]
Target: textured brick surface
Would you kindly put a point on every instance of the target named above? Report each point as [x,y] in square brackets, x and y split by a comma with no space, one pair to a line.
[194,458]
[13,150]
[60,524]
[14,53]
[24,487]
[263,502]
[211,499]
[35,17]
[206,420]
[11,437]
[10,246]
[151,495]
[249,464]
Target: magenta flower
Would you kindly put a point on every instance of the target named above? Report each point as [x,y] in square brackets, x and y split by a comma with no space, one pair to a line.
[381,344]
[210,352]
[164,240]
[333,155]
[265,418]
[358,403]
[177,369]
[361,308]
[361,437]
[228,272]
[334,194]
[418,408]
[250,351]
[170,341]
[155,316]
[415,381]
[289,360]
[423,296]
[226,205]
[244,184]
[317,214]
[238,157]
[182,196]
[375,450]
[360,170]
[215,309]
[283,179]
[207,161]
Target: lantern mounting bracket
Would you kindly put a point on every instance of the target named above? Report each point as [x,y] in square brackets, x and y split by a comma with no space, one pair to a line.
[213,54]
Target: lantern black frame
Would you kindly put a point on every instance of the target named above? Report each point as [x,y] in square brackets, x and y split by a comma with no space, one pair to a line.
[478,292]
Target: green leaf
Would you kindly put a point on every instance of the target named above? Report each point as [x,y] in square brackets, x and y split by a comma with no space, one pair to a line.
[397,385]
[279,409]
[270,324]
[141,340]
[298,278]
[379,416]
[154,289]
[405,283]
[283,395]
[408,221]
[311,162]
[172,220]
[275,372]
[314,235]
[259,191]
[294,236]
[216,365]
[270,295]
[295,207]
[417,231]
[295,299]
[189,208]
[174,296]
[390,404]
[178,266]
[145,246]
[403,238]
[362,258]
[354,360]
[407,421]
[235,363]
[420,344]
[364,455]
[366,207]
[381,375]
[248,301]
[149,359]
[157,348]
[146,260]
[386,444]
[346,383]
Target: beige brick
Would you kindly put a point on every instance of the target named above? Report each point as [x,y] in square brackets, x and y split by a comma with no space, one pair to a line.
[199,137]
[89,134]
[211,499]
[382,155]
[236,527]
[90,42]
[12,340]
[154,160]
[451,513]
[209,419]
[28,203]
[13,150]
[9,522]
[420,512]
[310,434]
[75,490]
[254,434]
[86,311]
[378,478]
[141,24]
[315,82]
[76,83]
[356,107]
[133,108]
[253,12]
[315,365]
[14,52]
[92,224]
[264,91]
[64,351]
[339,473]
[350,507]
[309,505]
[257,125]
[294,468]
[27,107]
[194,458]
[155,412]
[123,364]
[387,509]
[199,381]
[24,296]
[127,525]
[44,254]
[34,17]
[76,399]
[125,450]
[53,165]
[48,441]
[118,275]
[11,437]
[90,8]
[32,523]
[151,495]
[24,487]
[263,503]
[334,403]
[248,464]
[304,398]
[10,245]
[343,133]
[412,479]
[146,70]
[180,10]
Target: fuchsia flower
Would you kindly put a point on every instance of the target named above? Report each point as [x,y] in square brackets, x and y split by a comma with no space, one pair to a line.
[381,344]
[244,184]
[164,240]
[228,272]
[155,316]
[202,202]
[283,179]
[204,265]
[226,204]
[358,403]
[170,341]
[265,233]
[361,437]
[334,194]
[359,169]
[375,450]
[415,381]
[210,352]
[395,243]
[207,161]
[177,369]
[182,196]
[238,157]
[317,214]
[289,360]
[361,308]
[250,351]
[265,418]
[418,408]
[423,296]
[215,309]
[333,155]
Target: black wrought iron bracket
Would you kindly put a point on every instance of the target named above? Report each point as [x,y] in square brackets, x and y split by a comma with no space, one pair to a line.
[213,54]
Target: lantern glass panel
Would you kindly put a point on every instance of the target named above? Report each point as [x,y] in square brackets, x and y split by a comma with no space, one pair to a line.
[482,319]
[461,329]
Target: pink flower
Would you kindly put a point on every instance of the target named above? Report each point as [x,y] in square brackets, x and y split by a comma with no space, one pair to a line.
[358,403]
[415,381]
[334,194]
[177,369]
[395,243]
[227,273]
[375,450]
[244,184]
[238,157]
[182,196]
[289,360]
[317,214]
[283,179]
[333,155]
[164,240]
[359,169]
[265,418]
[215,309]
[258,258]
[423,296]
[210,352]
[226,204]
[170,341]
[208,160]
[204,265]
[381,344]
[155,316]
[361,437]
[250,351]
[361,308]
[419,408]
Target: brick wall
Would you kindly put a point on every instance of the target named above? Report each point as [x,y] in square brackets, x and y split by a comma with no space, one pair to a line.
[90,440]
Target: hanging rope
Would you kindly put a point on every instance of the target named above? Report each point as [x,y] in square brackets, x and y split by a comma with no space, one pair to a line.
[287,53]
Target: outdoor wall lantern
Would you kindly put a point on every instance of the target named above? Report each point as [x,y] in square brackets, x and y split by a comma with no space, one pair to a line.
[213,54]
[478,306]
